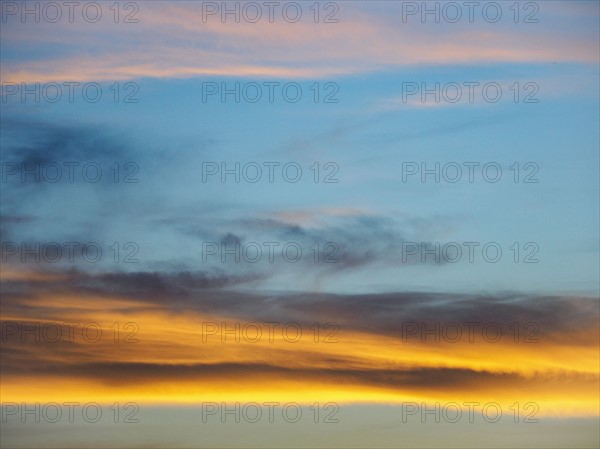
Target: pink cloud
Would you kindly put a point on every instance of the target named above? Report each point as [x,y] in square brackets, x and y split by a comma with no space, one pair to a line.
[173,42]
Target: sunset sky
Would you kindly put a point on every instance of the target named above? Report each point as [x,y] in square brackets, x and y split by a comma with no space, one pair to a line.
[366,317]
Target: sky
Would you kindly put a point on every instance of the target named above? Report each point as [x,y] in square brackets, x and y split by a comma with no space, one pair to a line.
[364,210]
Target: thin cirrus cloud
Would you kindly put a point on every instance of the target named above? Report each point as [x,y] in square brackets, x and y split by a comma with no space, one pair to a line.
[173,42]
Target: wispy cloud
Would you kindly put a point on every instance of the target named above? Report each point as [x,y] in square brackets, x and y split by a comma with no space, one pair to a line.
[361,42]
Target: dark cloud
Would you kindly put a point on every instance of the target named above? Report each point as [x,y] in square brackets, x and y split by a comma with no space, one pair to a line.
[344,243]
[566,321]
[220,293]
[9,222]
[421,379]
[59,189]
[148,285]
[32,142]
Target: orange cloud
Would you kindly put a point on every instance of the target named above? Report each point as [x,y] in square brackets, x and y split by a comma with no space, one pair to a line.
[193,356]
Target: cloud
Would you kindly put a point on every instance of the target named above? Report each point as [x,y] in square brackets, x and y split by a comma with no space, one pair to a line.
[172,41]
[210,293]
[348,238]
[41,142]
[181,352]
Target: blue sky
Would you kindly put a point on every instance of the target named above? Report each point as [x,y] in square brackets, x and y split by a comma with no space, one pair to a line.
[173,133]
